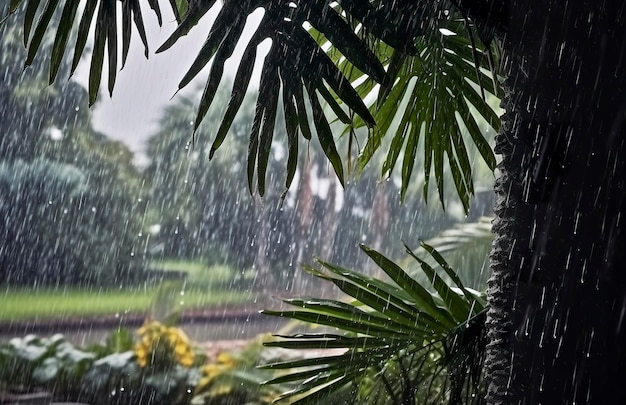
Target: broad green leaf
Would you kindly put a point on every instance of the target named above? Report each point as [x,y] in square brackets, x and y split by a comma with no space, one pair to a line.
[355,326]
[339,342]
[29,18]
[224,51]
[179,8]
[342,36]
[387,303]
[269,97]
[224,35]
[14,5]
[459,307]
[112,43]
[134,4]
[306,362]
[291,127]
[332,103]
[350,312]
[253,145]
[303,120]
[240,85]
[127,29]
[325,136]
[196,10]
[154,5]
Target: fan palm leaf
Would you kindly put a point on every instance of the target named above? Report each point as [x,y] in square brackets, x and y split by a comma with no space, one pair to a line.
[402,340]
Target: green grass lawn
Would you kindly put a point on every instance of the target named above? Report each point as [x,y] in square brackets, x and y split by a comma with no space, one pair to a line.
[25,304]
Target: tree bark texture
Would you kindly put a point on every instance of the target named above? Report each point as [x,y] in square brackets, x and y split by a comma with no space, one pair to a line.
[558,289]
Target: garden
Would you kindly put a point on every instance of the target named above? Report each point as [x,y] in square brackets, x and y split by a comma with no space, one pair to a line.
[363,254]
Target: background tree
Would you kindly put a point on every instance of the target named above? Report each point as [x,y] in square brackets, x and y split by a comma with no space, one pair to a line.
[71,196]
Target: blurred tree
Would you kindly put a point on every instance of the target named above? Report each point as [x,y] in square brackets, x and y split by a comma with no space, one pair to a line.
[72,203]
[200,210]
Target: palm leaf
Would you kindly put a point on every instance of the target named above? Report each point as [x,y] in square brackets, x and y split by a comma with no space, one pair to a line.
[295,64]
[466,244]
[348,42]
[399,344]
[442,91]
[105,33]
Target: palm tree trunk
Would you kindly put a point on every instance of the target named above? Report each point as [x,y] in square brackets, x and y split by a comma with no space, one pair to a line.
[558,290]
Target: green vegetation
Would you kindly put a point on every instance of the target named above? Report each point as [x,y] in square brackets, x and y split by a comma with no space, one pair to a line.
[404,340]
[158,366]
[70,197]
[25,304]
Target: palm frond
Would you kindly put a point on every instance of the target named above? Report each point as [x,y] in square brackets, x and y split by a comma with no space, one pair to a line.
[296,64]
[465,246]
[38,17]
[401,340]
[437,99]
[333,53]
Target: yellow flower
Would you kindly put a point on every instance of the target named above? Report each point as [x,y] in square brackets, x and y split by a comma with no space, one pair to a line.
[226,358]
[186,360]
[168,343]
[142,355]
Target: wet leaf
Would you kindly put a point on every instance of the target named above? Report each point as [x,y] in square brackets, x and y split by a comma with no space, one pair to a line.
[97,58]
[83,31]
[62,36]
[40,30]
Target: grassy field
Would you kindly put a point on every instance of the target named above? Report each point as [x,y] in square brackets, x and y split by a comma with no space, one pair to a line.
[25,304]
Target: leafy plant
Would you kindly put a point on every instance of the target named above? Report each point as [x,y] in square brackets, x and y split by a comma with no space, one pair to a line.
[164,373]
[161,346]
[402,341]
[50,363]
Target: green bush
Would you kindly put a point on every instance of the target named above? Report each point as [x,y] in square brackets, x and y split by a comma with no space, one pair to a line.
[59,229]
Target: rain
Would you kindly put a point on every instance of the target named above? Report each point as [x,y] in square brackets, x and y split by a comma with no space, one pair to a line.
[350,202]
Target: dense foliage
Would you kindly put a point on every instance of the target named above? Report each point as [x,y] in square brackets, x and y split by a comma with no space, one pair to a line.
[69,198]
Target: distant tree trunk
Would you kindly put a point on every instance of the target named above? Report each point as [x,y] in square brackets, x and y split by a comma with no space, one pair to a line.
[261,240]
[329,221]
[556,325]
[304,212]
[379,216]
